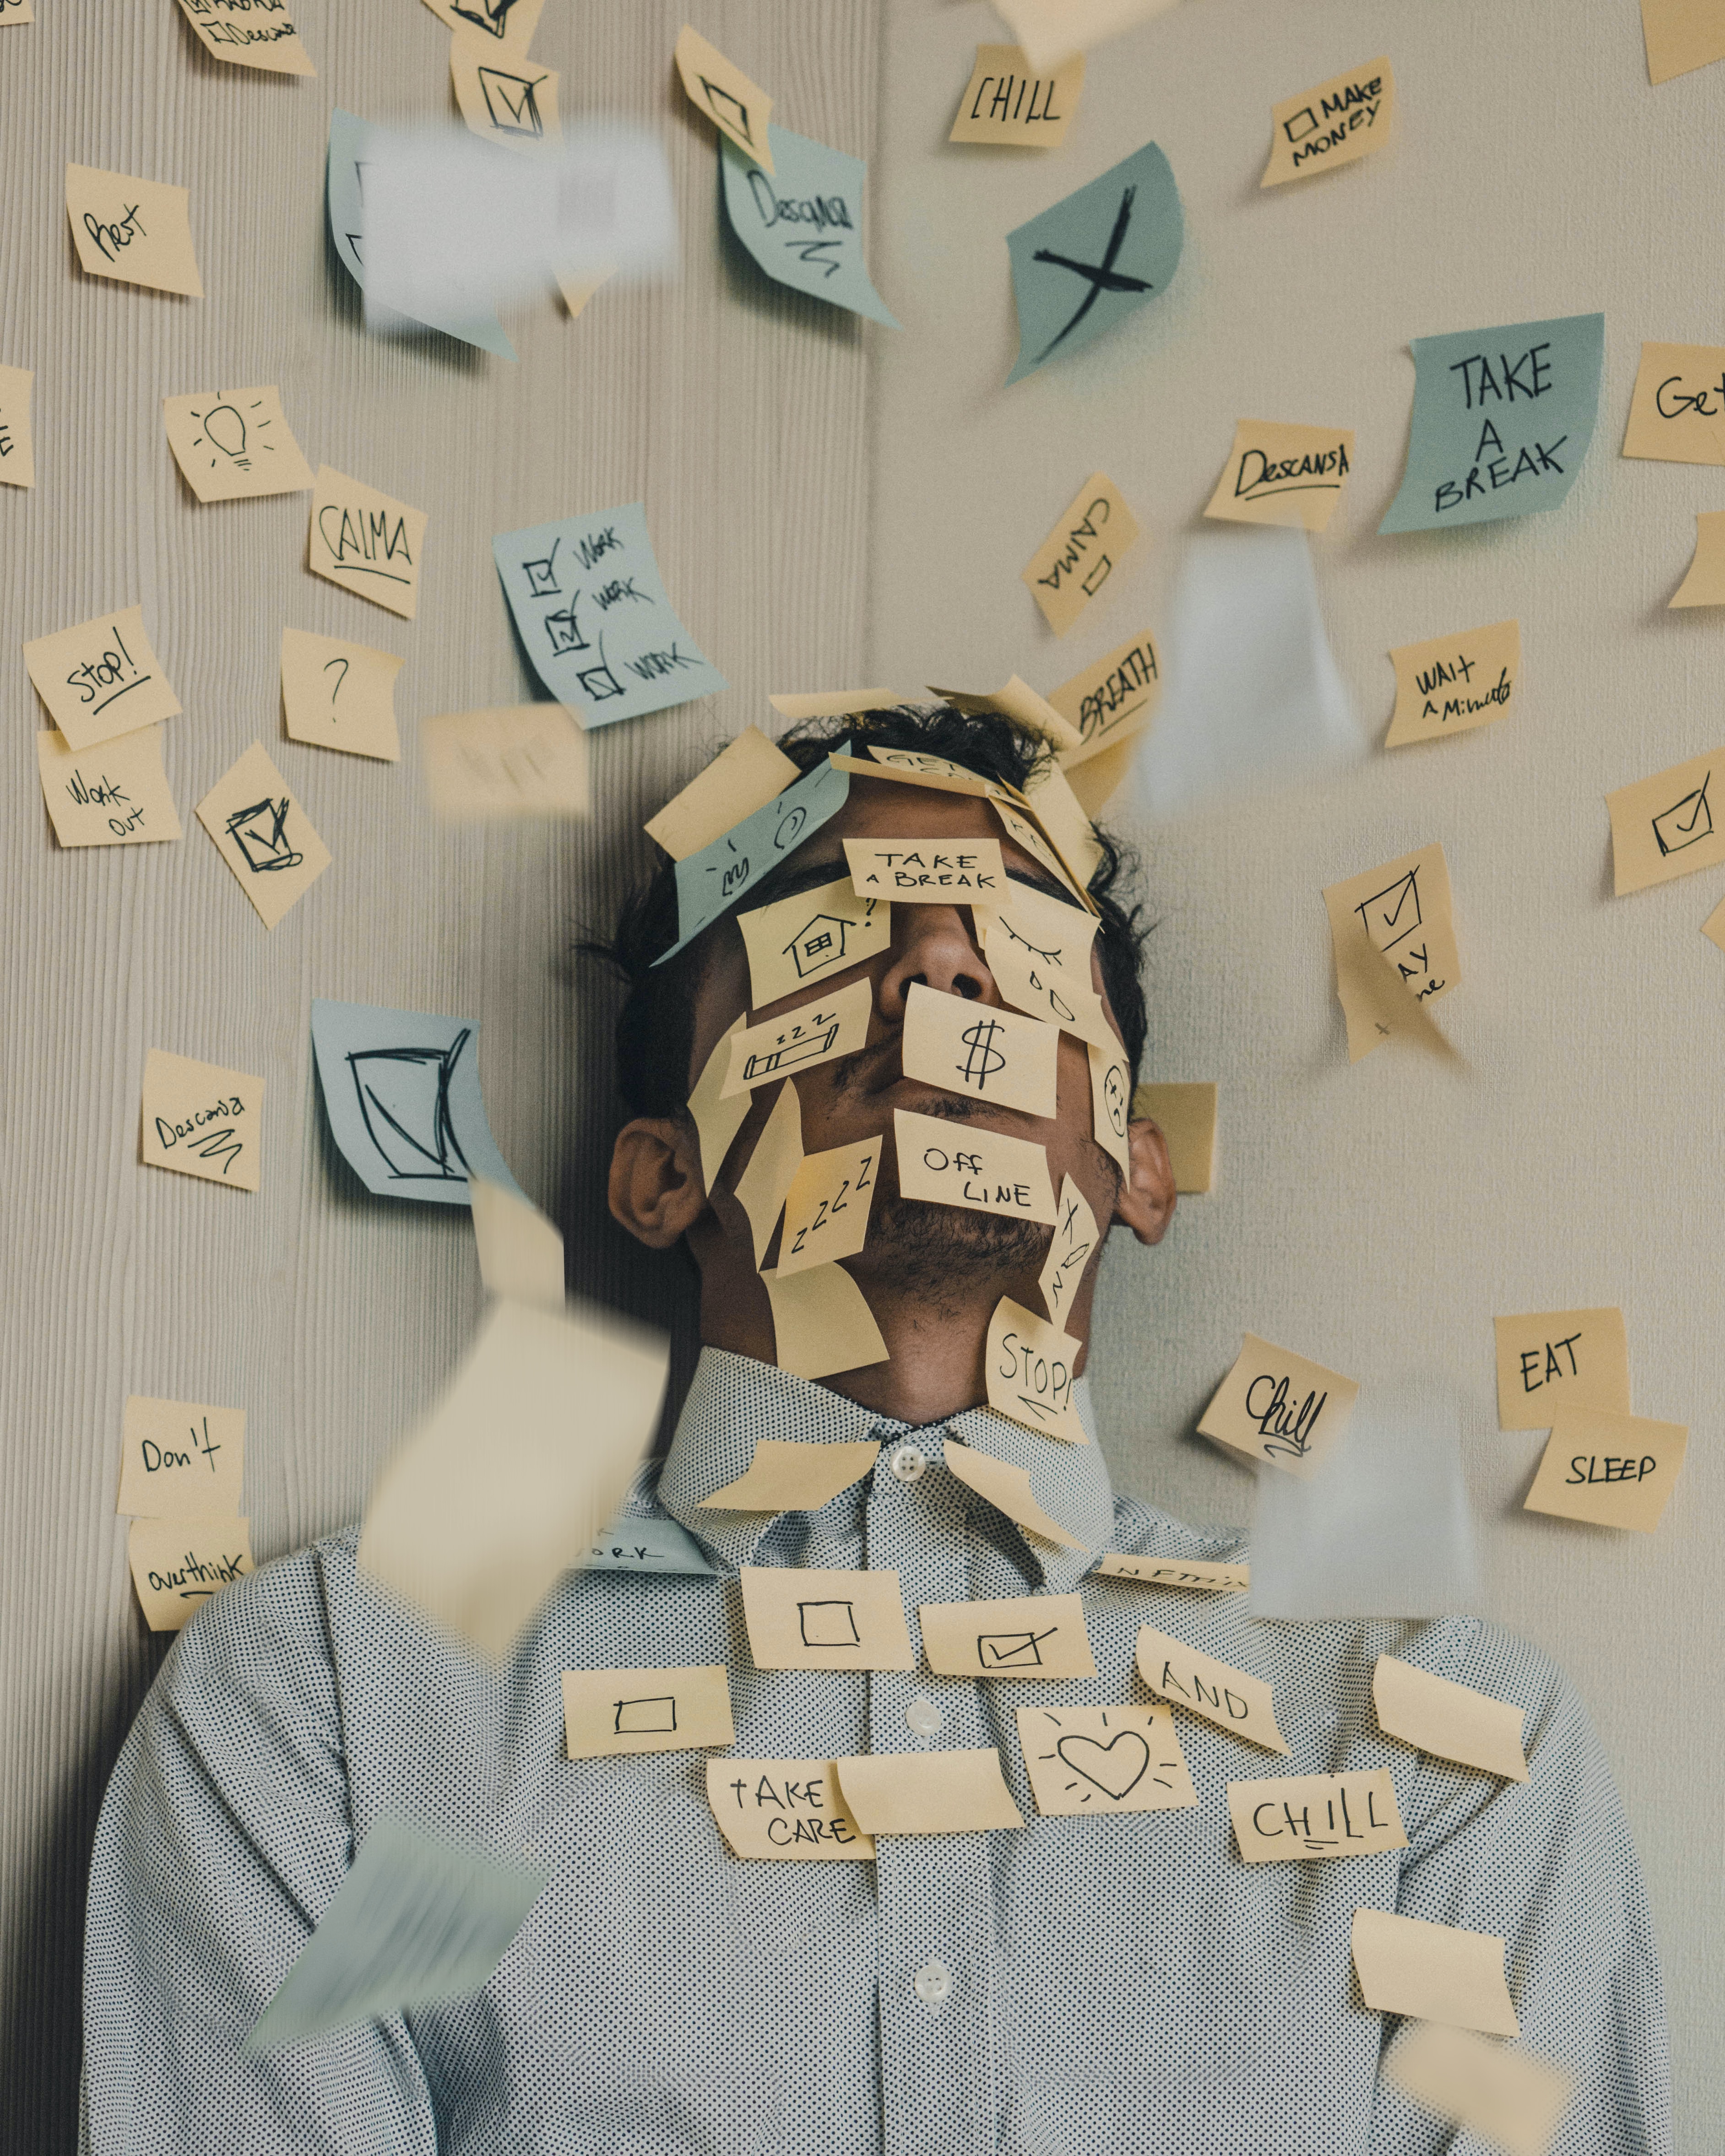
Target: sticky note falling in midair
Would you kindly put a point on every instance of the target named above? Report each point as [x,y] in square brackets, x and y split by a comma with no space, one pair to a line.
[202,1120]
[1450,684]
[1089,261]
[504,26]
[739,108]
[180,1459]
[1277,1406]
[1051,30]
[1403,909]
[511,102]
[340,694]
[1278,473]
[1681,35]
[242,31]
[101,678]
[1552,1359]
[1615,1470]
[1704,585]
[138,231]
[1668,825]
[1087,544]
[1334,123]
[262,831]
[595,620]
[179,1564]
[1502,419]
[1087,1762]
[803,222]
[1507,2100]
[366,542]
[233,443]
[524,760]
[18,454]
[1008,100]
[402,1092]
[115,794]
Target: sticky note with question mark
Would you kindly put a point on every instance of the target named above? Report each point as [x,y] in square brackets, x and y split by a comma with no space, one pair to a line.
[339,695]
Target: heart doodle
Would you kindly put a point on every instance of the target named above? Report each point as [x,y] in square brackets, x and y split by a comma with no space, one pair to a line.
[1115,1777]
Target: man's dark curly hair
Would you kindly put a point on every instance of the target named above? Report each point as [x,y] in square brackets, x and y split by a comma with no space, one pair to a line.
[655,1028]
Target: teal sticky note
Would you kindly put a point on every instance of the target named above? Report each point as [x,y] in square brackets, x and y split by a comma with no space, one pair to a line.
[633,1544]
[711,882]
[803,220]
[1096,257]
[1502,421]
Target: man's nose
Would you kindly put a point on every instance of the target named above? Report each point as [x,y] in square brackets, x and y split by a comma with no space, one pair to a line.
[933,944]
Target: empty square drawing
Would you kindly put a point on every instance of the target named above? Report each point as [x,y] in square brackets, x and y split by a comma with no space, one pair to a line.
[828,1625]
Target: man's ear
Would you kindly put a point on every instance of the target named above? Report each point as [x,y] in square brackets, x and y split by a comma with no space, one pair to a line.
[656,1190]
[1145,1202]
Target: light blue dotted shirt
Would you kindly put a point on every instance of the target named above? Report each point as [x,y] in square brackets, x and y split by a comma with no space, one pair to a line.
[1113,1986]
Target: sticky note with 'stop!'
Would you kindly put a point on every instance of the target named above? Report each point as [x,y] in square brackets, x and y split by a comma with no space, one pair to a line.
[101,678]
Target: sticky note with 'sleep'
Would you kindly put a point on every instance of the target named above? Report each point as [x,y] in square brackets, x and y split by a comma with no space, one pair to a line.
[1548,1359]
[1614,1470]
[625,1712]
[784,1807]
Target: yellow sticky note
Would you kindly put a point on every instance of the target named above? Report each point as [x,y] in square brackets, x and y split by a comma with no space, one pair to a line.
[1089,1760]
[1186,1115]
[231,443]
[518,760]
[767,1176]
[1231,1698]
[1437,1971]
[1088,543]
[1070,1251]
[786,1476]
[828,1025]
[115,794]
[18,454]
[1615,1471]
[718,1115]
[1047,933]
[263,835]
[1552,1359]
[1704,585]
[833,704]
[1008,1489]
[1333,123]
[138,231]
[796,941]
[928,1792]
[520,1253]
[339,695]
[1017,702]
[1197,1572]
[985,1054]
[1508,2099]
[1450,684]
[1061,814]
[366,542]
[1293,1817]
[1278,473]
[505,26]
[926,871]
[176,1565]
[822,1323]
[1665,826]
[1035,842]
[618,1713]
[744,775]
[575,292]
[1681,35]
[101,678]
[13,11]
[1019,1635]
[1112,700]
[806,1618]
[784,1807]
[200,1119]
[1110,1094]
[1380,1006]
[740,109]
[1404,909]
[1051,31]
[1008,100]
[941,1163]
[511,102]
[1031,1368]
[1026,962]
[1275,1405]
[1677,413]
[826,1209]
[257,33]
[1713,927]
[1450,1721]
[180,1459]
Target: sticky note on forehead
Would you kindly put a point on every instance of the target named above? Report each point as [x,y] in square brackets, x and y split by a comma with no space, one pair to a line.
[1552,1359]
[744,776]
[1275,1406]
[926,871]
[721,874]
[796,941]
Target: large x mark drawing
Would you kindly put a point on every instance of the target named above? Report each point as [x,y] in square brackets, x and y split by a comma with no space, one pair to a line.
[1103,277]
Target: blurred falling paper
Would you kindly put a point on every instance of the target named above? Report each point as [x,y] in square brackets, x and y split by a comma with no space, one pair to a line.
[520,1253]
[517,1470]
[1253,696]
[450,228]
[1382,1529]
[414,1922]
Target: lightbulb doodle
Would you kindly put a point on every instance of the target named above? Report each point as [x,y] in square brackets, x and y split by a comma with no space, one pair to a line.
[233,443]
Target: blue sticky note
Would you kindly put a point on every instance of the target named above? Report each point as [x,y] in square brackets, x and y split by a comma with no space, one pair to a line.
[344,190]
[803,220]
[595,620]
[402,1092]
[632,1544]
[1096,257]
[1502,421]
[715,879]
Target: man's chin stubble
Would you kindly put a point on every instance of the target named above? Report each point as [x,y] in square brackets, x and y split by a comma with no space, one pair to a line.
[943,1253]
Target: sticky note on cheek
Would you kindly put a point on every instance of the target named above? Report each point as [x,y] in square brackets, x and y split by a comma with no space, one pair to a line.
[1551,1359]
[797,942]
[810,1033]
[826,1209]
[984,1053]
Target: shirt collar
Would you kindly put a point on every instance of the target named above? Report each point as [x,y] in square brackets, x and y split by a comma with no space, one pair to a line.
[734,1399]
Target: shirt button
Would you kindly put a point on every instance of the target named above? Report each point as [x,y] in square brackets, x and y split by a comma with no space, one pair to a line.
[909,1465]
[924,1717]
[933,1983]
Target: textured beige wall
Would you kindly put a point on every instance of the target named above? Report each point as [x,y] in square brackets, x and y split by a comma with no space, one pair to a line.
[738,413]
[1377,1217]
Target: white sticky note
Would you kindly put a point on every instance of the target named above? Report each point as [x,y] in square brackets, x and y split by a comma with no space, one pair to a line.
[515,761]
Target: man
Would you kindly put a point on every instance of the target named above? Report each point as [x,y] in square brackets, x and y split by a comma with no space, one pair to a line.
[1080,1985]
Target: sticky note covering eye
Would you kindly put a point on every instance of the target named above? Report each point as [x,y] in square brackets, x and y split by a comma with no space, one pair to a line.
[1185,1117]
[946,1163]
[1086,1761]
[1548,1359]
[1032,1366]
[802,1618]
[1074,562]
[739,108]
[181,1460]
[619,1713]
[1070,1251]
[115,794]
[826,1209]
[1281,474]
[1275,1406]
[928,1792]
[784,1807]
[926,871]
[366,542]
[101,678]
[524,760]
[744,776]
[1051,30]
[1008,100]
[1008,1489]
[1334,123]
[811,1033]
[1403,909]
[1615,1471]
[1450,684]
[1450,1721]
[1502,419]
[1038,1636]
[138,231]
[799,941]
[985,1054]
[1668,825]
[507,100]
[822,1323]
[712,880]
[1437,1971]
[257,33]
[1231,1698]
[17,455]
[202,1120]
[1295,1817]
[801,219]
[263,833]
[339,695]
[178,1565]
[1509,2100]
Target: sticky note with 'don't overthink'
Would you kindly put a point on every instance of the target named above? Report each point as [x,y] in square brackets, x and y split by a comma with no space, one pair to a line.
[101,678]
[178,1564]
[202,1120]
[1090,1761]
[784,1807]
[339,695]
[1549,1359]
[115,794]
[138,231]
[1614,1470]
[620,1712]
[263,835]
[366,542]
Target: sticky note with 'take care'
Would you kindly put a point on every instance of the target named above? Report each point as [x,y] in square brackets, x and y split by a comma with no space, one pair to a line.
[810,1619]
[1277,1406]
[1548,1359]
[784,1807]
[202,1120]
[101,678]
[180,1459]
[115,794]
[1613,1470]
[1032,1636]
[138,231]
[621,1713]
[1090,1761]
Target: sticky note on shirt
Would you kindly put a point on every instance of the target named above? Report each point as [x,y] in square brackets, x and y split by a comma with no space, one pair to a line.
[941,1163]
[1186,1115]
[1232,1699]
[1086,1762]
[1031,1636]
[623,1712]
[1070,1251]
[1403,909]
[263,833]
[1450,1721]
[1450,684]
[1435,1972]
[178,1564]
[339,695]
[1509,2100]
[1677,412]
[1704,585]
[1031,1368]
[803,220]
[180,1460]
[1333,123]
[826,1209]
[1198,1573]
[202,1120]
[826,1026]
[101,678]
[521,760]
[1548,1359]
[253,34]
[1008,100]
[1076,560]
[1298,1816]
[138,231]
[807,1619]
[1008,1489]
[738,107]
[511,102]
[822,1323]
[231,443]
[1277,1406]
[1666,826]
[926,871]
[368,542]
[784,1807]
[18,454]
[786,1476]
[1615,1470]
[992,1056]
[928,1792]
[742,777]
[1278,473]
[797,942]
[115,794]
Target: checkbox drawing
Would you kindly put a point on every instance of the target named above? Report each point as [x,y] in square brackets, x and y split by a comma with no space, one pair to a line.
[513,105]
[645,1717]
[1012,1650]
[829,1624]
[1686,822]
[260,833]
[1393,912]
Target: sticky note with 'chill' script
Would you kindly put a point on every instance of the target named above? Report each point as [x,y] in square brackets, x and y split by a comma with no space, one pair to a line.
[202,1120]
[1275,1406]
